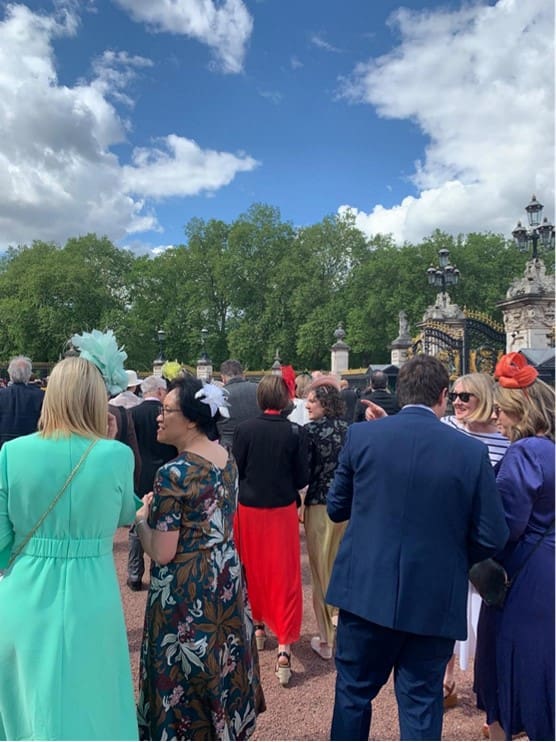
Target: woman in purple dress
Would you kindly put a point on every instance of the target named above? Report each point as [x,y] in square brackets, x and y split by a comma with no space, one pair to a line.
[514,666]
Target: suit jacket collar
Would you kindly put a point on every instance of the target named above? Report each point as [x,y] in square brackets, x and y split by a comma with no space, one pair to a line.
[417,409]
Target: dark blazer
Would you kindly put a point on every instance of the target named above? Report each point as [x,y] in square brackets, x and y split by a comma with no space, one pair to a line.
[350,399]
[382,397]
[20,409]
[423,506]
[242,398]
[126,434]
[153,453]
[272,456]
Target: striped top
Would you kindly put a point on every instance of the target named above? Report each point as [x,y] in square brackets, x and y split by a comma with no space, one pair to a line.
[496,443]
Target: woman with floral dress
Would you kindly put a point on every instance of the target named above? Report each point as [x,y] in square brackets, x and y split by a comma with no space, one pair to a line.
[326,430]
[199,675]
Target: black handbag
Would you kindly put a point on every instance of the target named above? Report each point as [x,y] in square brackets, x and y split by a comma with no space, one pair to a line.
[491,581]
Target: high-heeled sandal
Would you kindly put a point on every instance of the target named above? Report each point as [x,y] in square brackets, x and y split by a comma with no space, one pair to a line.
[260,636]
[283,671]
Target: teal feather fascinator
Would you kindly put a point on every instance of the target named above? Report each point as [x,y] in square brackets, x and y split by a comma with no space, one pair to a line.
[102,349]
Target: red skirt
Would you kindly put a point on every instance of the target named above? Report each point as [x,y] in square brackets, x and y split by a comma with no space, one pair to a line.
[268,543]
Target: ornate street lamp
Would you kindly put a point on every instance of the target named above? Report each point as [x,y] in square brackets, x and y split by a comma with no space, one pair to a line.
[538,232]
[161,336]
[444,274]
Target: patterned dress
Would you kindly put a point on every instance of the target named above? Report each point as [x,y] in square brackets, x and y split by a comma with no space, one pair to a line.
[326,436]
[199,673]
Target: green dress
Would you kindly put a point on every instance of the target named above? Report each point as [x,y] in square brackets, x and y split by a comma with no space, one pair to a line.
[64,660]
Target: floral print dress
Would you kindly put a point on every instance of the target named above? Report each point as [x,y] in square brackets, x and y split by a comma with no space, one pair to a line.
[199,674]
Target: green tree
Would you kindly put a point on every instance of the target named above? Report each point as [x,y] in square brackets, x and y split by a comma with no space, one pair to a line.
[48,293]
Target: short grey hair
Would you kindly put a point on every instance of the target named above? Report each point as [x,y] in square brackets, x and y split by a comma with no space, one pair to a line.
[152,384]
[20,369]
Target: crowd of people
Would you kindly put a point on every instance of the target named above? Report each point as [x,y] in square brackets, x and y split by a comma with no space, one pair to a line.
[397,499]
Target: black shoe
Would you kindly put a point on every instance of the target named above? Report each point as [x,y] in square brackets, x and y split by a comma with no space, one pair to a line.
[135,585]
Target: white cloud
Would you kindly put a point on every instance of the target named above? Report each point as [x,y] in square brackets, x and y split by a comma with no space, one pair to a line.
[318,40]
[59,174]
[179,167]
[274,96]
[114,71]
[137,247]
[479,83]
[225,26]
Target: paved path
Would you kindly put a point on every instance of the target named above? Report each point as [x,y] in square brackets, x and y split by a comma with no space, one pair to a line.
[303,710]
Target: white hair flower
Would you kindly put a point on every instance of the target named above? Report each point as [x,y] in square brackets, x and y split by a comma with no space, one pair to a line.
[216,399]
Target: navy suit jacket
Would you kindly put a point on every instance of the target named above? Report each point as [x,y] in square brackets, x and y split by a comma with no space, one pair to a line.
[422,505]
[20,409]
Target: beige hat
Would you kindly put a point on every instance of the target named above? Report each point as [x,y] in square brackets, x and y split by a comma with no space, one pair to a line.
[132,379]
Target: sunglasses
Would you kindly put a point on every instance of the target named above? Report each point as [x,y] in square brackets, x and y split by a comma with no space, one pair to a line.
[464,396]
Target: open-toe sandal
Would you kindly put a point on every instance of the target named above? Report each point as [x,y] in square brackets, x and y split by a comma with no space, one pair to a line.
[283,669]
[260,636]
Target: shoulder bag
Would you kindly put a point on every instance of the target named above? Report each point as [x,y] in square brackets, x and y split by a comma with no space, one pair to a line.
[16,552]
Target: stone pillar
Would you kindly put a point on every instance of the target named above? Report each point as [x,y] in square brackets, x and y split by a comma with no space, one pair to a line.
[443,311]
[399,348]
[339,352]
[528,309]
[276,368]
[204,368]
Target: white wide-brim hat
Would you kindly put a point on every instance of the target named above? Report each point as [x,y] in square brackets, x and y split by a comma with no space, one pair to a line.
[132,379]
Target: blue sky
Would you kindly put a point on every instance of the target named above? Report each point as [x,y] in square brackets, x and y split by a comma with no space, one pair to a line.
[131,117]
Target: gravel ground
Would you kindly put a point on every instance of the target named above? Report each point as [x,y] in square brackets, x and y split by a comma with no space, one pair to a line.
[302,710]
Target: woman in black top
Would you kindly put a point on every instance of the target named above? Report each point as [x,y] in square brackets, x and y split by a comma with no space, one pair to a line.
[272,458]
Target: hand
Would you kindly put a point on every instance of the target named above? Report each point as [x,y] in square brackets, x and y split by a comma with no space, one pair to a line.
[373,411]
[112,427]
[145,509]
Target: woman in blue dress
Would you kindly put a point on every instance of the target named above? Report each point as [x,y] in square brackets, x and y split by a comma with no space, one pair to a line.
[514,667]
[199,674]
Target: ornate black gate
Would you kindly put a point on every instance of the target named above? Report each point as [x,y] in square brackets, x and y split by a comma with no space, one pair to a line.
[471,345]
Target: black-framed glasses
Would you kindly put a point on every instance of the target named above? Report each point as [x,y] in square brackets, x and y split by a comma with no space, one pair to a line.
[165,410]
[464,396]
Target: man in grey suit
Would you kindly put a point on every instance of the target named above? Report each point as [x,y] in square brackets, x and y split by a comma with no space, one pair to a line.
[422,505]
[242,398]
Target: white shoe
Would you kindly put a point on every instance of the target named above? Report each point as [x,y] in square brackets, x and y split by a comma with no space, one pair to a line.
[323,649]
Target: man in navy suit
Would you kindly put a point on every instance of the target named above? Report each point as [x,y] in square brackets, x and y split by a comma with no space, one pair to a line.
[422,506]
[20,402]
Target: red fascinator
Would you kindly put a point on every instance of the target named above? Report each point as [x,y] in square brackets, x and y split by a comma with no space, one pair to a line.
[513,372]
[288,374]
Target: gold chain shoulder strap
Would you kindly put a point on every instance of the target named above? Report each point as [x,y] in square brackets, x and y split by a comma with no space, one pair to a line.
[49,509]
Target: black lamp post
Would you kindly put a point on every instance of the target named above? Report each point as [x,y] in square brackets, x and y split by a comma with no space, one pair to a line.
[204,335]
[444,274]
[161,335]
[537,232]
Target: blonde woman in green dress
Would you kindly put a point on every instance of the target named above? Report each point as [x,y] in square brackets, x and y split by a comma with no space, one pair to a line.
[64,661]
